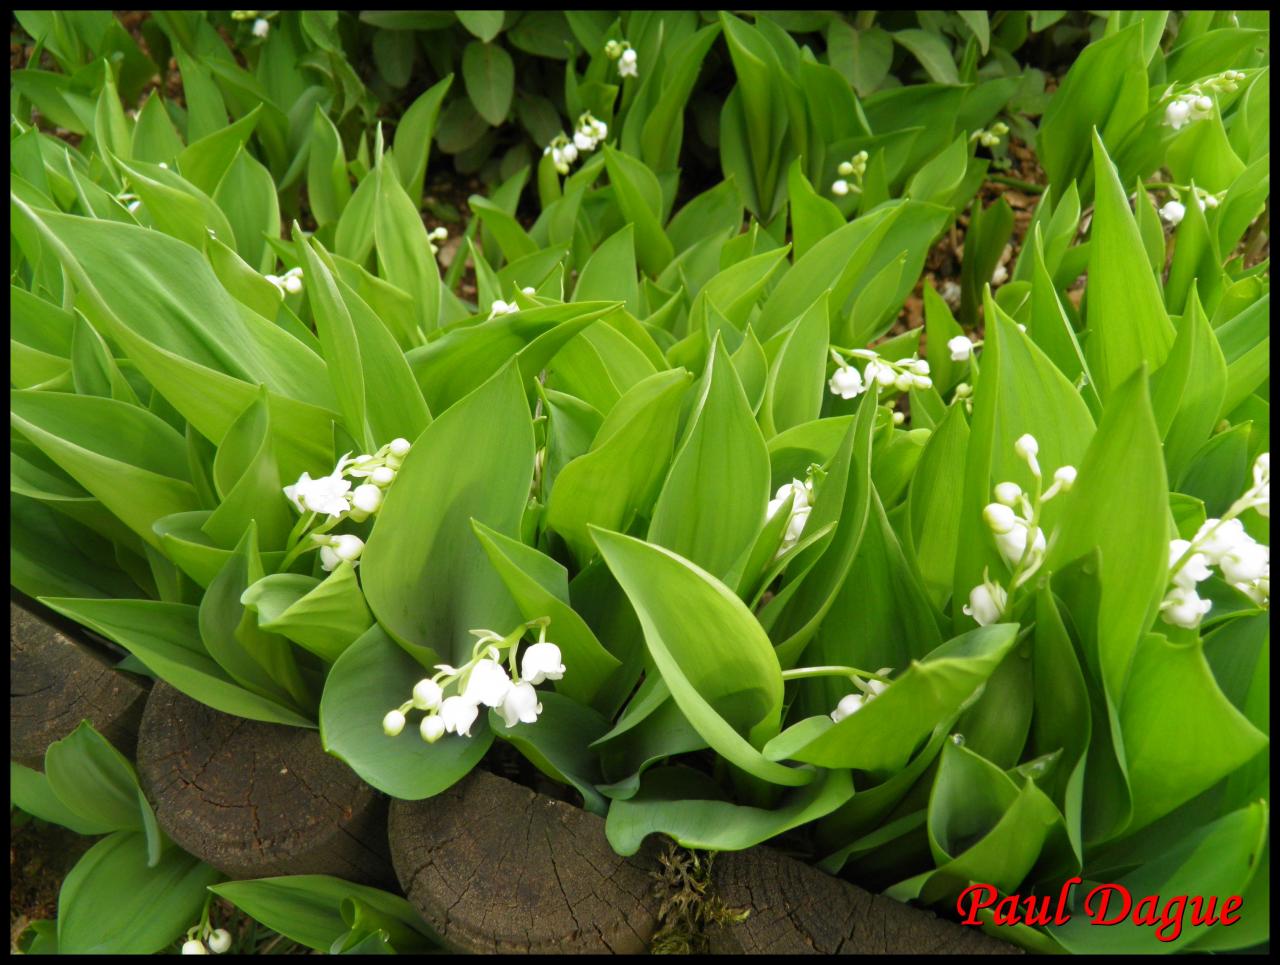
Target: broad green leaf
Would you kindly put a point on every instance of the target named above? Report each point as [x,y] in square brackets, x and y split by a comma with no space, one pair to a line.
[883,735]
[619,477]
[639,198]
[489,75]
[712,503]
[127,458]
[686,805]
[1119,505]
[540,587]
[712,654]
[1127,320]
[375,675]
[404,255]
[166,638]
[425,575]
[150,906]
[324,616]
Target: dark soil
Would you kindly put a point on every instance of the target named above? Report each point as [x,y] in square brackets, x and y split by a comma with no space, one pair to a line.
[40,855]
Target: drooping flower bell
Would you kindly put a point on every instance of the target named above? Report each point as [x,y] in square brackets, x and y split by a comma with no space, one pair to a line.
[487,684]
[541,661]
[520,705]
[458,714]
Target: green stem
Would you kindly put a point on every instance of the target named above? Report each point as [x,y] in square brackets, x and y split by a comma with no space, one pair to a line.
[801,673]
[1025,186]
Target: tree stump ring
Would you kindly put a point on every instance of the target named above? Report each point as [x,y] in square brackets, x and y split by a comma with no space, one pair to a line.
[495,867]
[258,800]
[55,682]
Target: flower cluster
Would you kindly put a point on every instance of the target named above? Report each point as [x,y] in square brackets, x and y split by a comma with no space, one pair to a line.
[334,497]
[1173,210]
[990,137]
[854,168]
[1014,521]
[801,496]
[436,237]
[885,374]
[203,940]
[1243,562]
[290,283]
[1194,104]
[625,55]
[869,689]
[482,682]
[588,135]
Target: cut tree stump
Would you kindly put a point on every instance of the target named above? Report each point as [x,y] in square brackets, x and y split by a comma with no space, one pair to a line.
[55,682]
[257,800]
[797,909]
[495,867]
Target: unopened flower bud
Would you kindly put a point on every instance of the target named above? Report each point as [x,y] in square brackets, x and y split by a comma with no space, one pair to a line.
[432,728]
[382,476]
[840,188]
[367,498]
[194,947]
[427,694]
[393,723]
[219,941]
[1008,493]
[999,517]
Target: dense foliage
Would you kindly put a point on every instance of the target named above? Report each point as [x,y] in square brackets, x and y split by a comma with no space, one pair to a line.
[654,482]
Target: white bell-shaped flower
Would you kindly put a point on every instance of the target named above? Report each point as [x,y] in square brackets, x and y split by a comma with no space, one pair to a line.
[261,27]
[849,704]
[1013,544]
[1183,607]
[1216,538]
[802,493]
[1194,570]
[521,704]
[194,947]
[1245,562]
[487,683]
[219,941]
[795,525]
[432,728]
[840,187]
[427,694]
[986,603]
[541,661]
[327,494]
[1176,113]
[1173,212]
[846,382]
[393,723]
[458,714]
[347,547]
[329,558]
[961,348]
[628,65]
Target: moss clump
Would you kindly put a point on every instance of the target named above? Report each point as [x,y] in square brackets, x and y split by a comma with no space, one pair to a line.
[687,910]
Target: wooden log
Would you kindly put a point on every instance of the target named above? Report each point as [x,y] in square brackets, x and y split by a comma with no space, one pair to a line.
[495,867]
[255,799]
[56,681]
[797,909]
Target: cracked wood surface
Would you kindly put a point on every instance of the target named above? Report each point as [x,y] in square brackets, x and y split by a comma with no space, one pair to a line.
[256,799]
[797,909]
[495,867]
[55,682]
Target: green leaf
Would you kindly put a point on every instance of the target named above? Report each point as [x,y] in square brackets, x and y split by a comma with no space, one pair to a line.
[639,198]
[540,587]
[1119,505]
[414,134]
[557,744]
[150,907]
[883,735]
[126,457]
[324,616]
[485,24]
[426,576]
[712,503]
[684,804]
[166,638]
[373,676]
[489,76]
[619,477]
[712,654]
[314,910]
[932,52]
[404,254]
[328,189]
[936,504]
[96,782]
